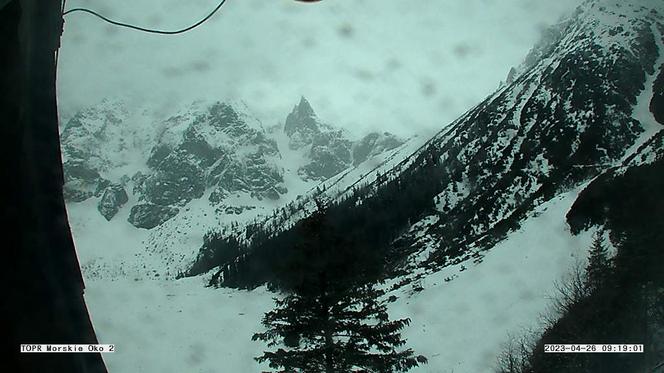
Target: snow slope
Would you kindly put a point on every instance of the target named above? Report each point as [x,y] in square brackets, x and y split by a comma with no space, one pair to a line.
[462,324]
[176,326]
[642,111]
[459,325]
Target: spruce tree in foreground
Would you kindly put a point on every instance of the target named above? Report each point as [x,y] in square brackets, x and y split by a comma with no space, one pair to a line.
[335,331]
[332,319]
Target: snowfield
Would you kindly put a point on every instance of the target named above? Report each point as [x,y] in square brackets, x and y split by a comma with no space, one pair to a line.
[177,326]
[460,326]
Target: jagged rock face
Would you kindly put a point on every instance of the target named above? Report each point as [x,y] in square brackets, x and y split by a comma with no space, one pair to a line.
[329,150]
[81,181]
[329,154]
[138,181]
[374,144]
[148,215]
[92,130]
[302,125]
[86,138]
[216,147]
[177,180]
[253,174]
[113,198]
[219,148]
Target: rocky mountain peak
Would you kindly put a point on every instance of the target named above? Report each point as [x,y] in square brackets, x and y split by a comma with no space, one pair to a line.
[304,109]
[328,149]
[302,124]
[231,117]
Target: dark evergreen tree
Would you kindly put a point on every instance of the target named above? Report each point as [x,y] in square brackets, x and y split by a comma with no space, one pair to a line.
[336,331]
[599,264]
[332,320]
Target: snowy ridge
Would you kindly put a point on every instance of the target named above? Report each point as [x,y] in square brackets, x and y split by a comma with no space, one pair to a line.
[557,125]
[578,120]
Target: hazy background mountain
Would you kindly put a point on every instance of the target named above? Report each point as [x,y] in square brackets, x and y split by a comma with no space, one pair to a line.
[207,164]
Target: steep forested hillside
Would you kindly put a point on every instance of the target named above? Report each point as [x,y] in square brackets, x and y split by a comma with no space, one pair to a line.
[573,110]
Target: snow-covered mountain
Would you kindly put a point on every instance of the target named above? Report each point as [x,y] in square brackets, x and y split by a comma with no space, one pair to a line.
[582,103]
[198,167]
[476,224]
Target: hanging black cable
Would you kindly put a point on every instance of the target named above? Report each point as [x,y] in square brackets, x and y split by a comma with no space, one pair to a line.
[153,31]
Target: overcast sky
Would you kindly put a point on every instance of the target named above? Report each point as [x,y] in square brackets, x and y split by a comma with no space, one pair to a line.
[400,65]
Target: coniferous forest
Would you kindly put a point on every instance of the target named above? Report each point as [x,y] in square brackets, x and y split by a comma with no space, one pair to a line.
[361,224]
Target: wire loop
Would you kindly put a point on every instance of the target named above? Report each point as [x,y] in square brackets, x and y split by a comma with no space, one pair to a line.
[143,29]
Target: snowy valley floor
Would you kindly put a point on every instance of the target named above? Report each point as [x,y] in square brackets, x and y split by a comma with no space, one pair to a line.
[460,326]
[177,326]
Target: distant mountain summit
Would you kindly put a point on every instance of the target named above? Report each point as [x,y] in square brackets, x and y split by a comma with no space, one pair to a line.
[304,121]
[329,149]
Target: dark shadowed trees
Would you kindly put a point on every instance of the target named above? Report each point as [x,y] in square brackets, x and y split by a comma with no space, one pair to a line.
[332,331]
[332,318]
[598,269]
